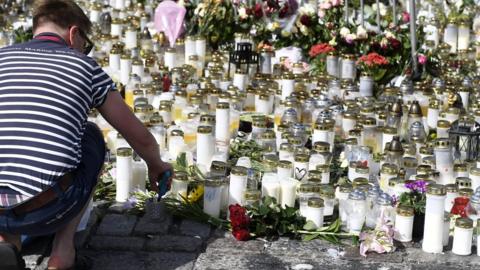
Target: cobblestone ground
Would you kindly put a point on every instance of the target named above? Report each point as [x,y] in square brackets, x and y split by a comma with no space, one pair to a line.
[118,241]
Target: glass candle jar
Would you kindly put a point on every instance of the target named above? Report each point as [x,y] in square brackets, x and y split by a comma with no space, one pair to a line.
[434,214]
[305,192]
[463,182]
[342,196]
[124,174]
[327,193]
[450,36]
[444,161]
[333,65]
[158,131]
[238,185]
[212,196]
[205,146]
[372,195]
[356,211]
[271,186]
[349,122]
[463,36]
[475,177]
[314,211]
[180,185]
[446,229]
[404,223]
[442,128]
[201,49]
[462,237]
[433,113]
[286,152]
[287,85]
[348,68]
[383,209]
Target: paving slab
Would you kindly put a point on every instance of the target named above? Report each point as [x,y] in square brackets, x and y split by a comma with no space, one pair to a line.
[193,228]
[147,226]
[117,243]
[174,243]
[170,261]
[117,225]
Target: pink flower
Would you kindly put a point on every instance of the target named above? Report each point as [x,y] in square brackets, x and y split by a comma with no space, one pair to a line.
[321,13]
[336,2]
[422,59]
[325,5]
[405,17]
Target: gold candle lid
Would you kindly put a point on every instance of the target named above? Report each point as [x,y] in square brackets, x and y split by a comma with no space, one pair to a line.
[315,202]
[239,170]
[124,152]
[464,223]
[406,211]
[436,189]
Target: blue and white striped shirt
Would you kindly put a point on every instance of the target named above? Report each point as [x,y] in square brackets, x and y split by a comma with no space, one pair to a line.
[46,92]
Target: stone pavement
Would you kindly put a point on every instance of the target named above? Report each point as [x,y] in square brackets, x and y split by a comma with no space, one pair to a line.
[119,241]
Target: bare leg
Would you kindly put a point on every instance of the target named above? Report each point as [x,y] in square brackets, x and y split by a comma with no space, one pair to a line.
[63,248]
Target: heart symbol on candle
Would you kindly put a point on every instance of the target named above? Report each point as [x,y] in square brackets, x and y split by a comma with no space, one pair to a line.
[300,173]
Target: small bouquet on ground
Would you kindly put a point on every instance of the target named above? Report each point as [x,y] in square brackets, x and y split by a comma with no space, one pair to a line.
[374,65]
[379,240]
[318,53]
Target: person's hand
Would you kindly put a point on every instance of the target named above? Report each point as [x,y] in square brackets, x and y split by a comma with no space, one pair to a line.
[156,172]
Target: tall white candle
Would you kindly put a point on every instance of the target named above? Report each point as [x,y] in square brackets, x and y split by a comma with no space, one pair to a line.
[114,60]
[434,215]
[240,80]
[124,174]
[287,85]
[205,146]
[238,185]
[288,189]
[190,48]
[201,49]
[169,58]
[462,237]
[139,175]
[125,69]
[130,38]
[222,127]
[212,197]
[271,186]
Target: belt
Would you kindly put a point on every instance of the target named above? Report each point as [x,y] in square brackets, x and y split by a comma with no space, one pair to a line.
[43,198]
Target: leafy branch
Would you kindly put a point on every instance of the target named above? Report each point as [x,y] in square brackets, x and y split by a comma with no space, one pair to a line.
[331,233]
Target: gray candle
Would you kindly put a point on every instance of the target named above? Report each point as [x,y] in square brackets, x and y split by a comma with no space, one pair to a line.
[378,16]
[394,11]
[362,11]
[413,36]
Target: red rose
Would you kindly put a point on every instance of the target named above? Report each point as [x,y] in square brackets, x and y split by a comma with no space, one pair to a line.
[240,221]
[322,48]
[305,20]
[395,43]
[241,234]
[283,12]
[258,11]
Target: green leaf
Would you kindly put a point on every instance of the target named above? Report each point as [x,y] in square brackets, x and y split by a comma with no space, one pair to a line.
[309,237]
[310,226]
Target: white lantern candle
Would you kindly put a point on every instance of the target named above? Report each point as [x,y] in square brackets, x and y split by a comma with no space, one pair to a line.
[463,37]
[475,176]
[114,60]
[444,161]
[180,186]
[130,38]
[262,104]
[266,62]
[238,185]
[404,224]
[169,58]
[240,80]
[176,143]
[116,28]
[452,193]
[450,36]
[432,114]
[314,211]
[442,128]
[139,177]
[284,170]
[95,13]
[124,174]
[201,49]
[342,196]
[137,68]
[462,237]
[212,196]
[324,169]
[119,4]
[190,48]
[287,85]
[434,214]
[348,68]
[349,122]
[271,186]
[332,65]
[327,193]
[222,127]
[205,146]
[288,189]
[366,86]
[125,68]
[301,167]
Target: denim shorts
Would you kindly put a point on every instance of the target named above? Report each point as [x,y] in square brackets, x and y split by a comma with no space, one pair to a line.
[56,214]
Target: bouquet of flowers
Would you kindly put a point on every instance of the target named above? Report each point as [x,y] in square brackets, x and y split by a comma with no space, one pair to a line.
[374,65]
[416,197]
[318,54]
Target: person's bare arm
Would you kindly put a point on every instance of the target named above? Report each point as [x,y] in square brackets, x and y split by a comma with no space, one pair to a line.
[118,114]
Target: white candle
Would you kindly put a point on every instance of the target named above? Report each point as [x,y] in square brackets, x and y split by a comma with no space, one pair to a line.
[284,170]
[114,60]
[356,211]
[287,86]
[238,185]
[262,104]
[139,175]
[205,146]
[432,117]
[116,29]
[212,197]
[314,211]
[446,229]
[176,145]
[119,4]
[404,224]
[332,65]
[444,162]
[434,215]
[124,174]
[450,36]
[94,15]
[463,37]
[462,237]
[190,48]
[130,38]
[169,58]
[288,189]
[475,177]
[271,186]
[240,80]
[125,69]
[222,127]
[201,49]
[366,86]
[301,169]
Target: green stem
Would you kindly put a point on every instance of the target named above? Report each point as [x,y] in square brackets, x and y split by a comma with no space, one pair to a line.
[327,233]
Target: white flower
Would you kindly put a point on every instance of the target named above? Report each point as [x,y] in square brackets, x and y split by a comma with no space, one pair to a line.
[181,3]
[362,33]
[384,42]
[200,10]
[306,9]
[242,13]
[350,37]
[333,42]
[383,9]
[344,31]
[304,30]
[389,34]
[458,4]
